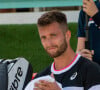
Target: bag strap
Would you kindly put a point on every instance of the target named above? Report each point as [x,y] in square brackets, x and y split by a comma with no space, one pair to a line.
[3,76]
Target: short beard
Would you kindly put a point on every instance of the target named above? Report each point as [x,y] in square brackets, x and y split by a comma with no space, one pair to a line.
[61,49]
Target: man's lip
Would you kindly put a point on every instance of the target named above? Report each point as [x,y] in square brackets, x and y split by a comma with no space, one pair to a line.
[51,48]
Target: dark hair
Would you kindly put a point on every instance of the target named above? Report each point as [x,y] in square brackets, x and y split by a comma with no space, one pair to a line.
[51,17]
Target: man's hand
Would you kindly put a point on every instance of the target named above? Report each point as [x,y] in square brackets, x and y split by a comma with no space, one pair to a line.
[45,85]
[89,7]
[86,53]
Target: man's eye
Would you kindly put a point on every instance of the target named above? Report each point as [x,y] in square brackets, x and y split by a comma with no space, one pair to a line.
[43,37]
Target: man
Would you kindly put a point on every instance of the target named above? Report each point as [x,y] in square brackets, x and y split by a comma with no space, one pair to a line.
[93,12]
[70,70]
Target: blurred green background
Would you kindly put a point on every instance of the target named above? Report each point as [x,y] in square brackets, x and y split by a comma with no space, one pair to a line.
[23,41]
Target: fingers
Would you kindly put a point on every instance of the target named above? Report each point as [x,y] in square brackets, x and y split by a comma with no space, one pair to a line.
[45,85]
[88,56]
[41,85]
[85,5]
[85,2]
[92,51]
[87,53]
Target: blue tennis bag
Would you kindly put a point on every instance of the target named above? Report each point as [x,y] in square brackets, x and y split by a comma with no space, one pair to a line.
[15,73]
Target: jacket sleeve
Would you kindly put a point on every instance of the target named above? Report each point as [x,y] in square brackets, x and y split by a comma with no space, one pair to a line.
[81,24]
[96,18]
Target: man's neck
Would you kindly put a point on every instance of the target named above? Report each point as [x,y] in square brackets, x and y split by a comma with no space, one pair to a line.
[64,60]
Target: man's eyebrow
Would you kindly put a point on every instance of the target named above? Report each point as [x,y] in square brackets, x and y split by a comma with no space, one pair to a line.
[53,34]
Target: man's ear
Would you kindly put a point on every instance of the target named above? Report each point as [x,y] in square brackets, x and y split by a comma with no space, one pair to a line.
[68,35]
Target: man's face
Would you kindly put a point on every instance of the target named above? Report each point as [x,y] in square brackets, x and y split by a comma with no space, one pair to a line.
[53,39]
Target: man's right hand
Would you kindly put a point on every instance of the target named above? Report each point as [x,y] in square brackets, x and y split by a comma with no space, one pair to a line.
[86,53]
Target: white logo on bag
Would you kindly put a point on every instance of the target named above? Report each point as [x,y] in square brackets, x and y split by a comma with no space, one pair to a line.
[16,81]
[73,76]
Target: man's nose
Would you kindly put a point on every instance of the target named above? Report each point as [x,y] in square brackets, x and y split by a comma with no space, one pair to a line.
[48,42]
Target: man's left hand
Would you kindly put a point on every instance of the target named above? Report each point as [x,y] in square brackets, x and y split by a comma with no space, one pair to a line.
[45,85]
